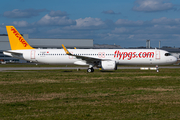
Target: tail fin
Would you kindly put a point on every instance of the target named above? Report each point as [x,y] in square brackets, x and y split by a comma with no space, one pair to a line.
[17,42]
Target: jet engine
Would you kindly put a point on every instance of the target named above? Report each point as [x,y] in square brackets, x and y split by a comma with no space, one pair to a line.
[108,65]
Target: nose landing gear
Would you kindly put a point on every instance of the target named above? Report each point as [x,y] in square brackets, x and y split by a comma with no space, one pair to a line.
[157,68]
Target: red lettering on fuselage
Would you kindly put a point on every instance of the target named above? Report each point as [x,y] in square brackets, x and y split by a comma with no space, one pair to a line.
[21,39]
[117,53]
[130,55]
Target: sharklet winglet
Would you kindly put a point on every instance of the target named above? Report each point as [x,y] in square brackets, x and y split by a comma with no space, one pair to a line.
[66,51]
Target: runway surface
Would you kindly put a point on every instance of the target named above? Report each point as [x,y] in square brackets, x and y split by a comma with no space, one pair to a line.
[68,68]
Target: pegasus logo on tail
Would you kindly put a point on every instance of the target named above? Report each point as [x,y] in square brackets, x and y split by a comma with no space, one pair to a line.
[21,39]
[16,40]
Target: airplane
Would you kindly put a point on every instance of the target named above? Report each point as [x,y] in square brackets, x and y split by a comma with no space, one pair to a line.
[105,59]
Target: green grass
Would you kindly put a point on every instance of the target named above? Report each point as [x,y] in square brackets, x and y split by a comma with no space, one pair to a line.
[71,94]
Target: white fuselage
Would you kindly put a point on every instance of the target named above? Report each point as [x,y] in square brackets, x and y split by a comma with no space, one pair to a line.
[121,56]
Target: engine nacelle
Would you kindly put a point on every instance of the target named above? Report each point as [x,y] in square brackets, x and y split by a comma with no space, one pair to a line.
[108,65]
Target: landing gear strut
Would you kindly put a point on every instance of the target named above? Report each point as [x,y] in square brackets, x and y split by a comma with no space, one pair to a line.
[90,69]
[157,68]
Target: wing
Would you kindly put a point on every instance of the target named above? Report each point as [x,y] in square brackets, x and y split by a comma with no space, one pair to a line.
[86,58]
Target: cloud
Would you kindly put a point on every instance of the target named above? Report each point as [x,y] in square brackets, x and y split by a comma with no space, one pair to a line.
[166,21]
[161,25]
[56,18]
[27,13]
[20,23]
[88,23]
[111,12]
[131,36]
[125,22]
[57,13]
[121,30]
[84,28]
[152,5]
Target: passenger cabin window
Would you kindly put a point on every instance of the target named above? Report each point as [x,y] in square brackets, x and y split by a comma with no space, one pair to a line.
[167,54]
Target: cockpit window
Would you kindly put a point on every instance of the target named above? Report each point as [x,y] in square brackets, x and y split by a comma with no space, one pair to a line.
[167,54]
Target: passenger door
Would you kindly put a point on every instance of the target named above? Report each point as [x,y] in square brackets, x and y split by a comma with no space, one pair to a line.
[157,55]
[33,53]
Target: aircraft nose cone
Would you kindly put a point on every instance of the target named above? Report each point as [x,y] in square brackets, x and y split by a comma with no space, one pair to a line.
[175,59]
[172,59]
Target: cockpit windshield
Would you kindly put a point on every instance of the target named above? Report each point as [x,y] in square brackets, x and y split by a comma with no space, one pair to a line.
[167,54]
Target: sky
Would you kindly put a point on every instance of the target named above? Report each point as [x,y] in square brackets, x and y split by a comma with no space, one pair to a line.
[128,23]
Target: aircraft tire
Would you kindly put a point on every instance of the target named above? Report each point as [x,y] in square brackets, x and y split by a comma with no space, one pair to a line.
[92,69]
[89,70]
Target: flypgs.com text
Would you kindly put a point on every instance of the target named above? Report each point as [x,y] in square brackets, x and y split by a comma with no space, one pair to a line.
[130,55]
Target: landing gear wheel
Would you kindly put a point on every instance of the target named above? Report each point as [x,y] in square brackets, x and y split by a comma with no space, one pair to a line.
[90,70]
[157,68]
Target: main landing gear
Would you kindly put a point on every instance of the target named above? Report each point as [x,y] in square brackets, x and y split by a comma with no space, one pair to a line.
[90,70]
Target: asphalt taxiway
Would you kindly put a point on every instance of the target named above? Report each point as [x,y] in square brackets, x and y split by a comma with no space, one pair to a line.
[68,68]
